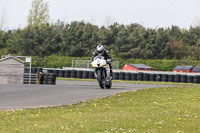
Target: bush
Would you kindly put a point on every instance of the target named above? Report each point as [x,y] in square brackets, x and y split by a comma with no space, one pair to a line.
[54,61]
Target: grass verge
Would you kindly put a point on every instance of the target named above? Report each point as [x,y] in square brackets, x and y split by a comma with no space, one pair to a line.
[134,82]
[174,109]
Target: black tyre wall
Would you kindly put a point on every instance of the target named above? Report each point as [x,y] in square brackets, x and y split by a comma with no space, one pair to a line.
[177,78]
[116,75]
[85,74]
[91,75]
[73,73]
[79,74]
[67,74]
[190,78]
[56,72]
[196,79]
[61,73]
[183,78]
[165,77]
[158,77]
[122,76]
[139,76]
[152,77]
[170,78]
[127,76]
[146,77]
[133,76]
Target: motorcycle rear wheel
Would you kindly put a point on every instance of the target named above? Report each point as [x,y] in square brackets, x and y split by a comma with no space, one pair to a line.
[109,85]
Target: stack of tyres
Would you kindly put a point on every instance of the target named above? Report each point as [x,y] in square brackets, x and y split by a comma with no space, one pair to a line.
[177,78]
[170,78]
[73,73]
[152,77]
[122,76]
[190,78]
[133,76]
[33,78]
[61,73]
[49,78]
[159,77]
[85,74]
[91,75]
[67,74]
[56,72]
[140,76]
[40,69]
[196,79]
[79,74]
[146,77]
[127,76]
[49,71]
[116,75]
[165,77]
[183,78]
[33,69]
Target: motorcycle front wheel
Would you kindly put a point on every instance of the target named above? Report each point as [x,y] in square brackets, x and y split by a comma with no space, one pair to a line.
[101,79]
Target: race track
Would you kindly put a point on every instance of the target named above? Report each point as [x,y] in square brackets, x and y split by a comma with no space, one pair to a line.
[63,93]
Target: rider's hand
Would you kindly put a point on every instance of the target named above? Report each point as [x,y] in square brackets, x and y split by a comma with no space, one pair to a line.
[109,60]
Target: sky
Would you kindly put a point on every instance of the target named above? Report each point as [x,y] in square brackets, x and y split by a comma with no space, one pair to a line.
[149,13]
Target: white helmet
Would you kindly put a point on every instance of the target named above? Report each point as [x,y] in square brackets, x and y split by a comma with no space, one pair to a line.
[100,49]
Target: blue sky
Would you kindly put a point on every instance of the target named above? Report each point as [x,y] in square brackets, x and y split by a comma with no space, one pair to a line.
[149,13]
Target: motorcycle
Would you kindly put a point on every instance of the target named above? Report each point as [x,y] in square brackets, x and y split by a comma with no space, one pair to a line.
[102,72]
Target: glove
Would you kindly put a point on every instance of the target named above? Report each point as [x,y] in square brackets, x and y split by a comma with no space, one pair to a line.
[109,60]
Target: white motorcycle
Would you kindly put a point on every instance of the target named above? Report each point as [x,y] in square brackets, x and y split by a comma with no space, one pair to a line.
[102,72]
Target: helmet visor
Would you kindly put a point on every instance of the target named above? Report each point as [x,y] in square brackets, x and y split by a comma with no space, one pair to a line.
[100,52]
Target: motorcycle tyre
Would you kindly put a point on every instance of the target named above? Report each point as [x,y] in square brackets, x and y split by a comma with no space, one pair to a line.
[100,80]
[108,86]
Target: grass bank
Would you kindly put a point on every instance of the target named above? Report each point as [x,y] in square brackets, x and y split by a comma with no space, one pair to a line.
[133,82]
[174,109]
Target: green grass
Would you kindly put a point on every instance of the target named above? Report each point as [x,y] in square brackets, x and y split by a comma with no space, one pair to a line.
[159,110]
[133,82]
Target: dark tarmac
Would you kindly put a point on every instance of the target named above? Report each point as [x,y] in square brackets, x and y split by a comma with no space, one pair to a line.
[63,93]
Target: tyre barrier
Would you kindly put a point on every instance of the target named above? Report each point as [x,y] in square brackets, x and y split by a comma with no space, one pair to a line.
[158,77]
[140,76]
[91,75]
[177,78]
[165,77]
[183,79]
[32,78]
[122,76]
[196,79]
[49,78]
[56,72]
[61,73]
[170,78]
[33,69]
[79,74]
[67,74]
[116,75]
[85,74]
[146,77]
[152,77]
[190,79]
[134,76]
[127,76]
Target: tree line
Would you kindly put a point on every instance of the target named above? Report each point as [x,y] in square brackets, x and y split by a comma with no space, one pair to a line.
[79,39]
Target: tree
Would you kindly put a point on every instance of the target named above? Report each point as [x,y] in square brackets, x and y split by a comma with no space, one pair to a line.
[39,13]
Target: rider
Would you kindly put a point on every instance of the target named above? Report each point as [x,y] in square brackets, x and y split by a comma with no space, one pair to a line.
[106,54]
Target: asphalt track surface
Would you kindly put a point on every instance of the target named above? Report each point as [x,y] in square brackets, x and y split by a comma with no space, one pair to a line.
[63,93]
